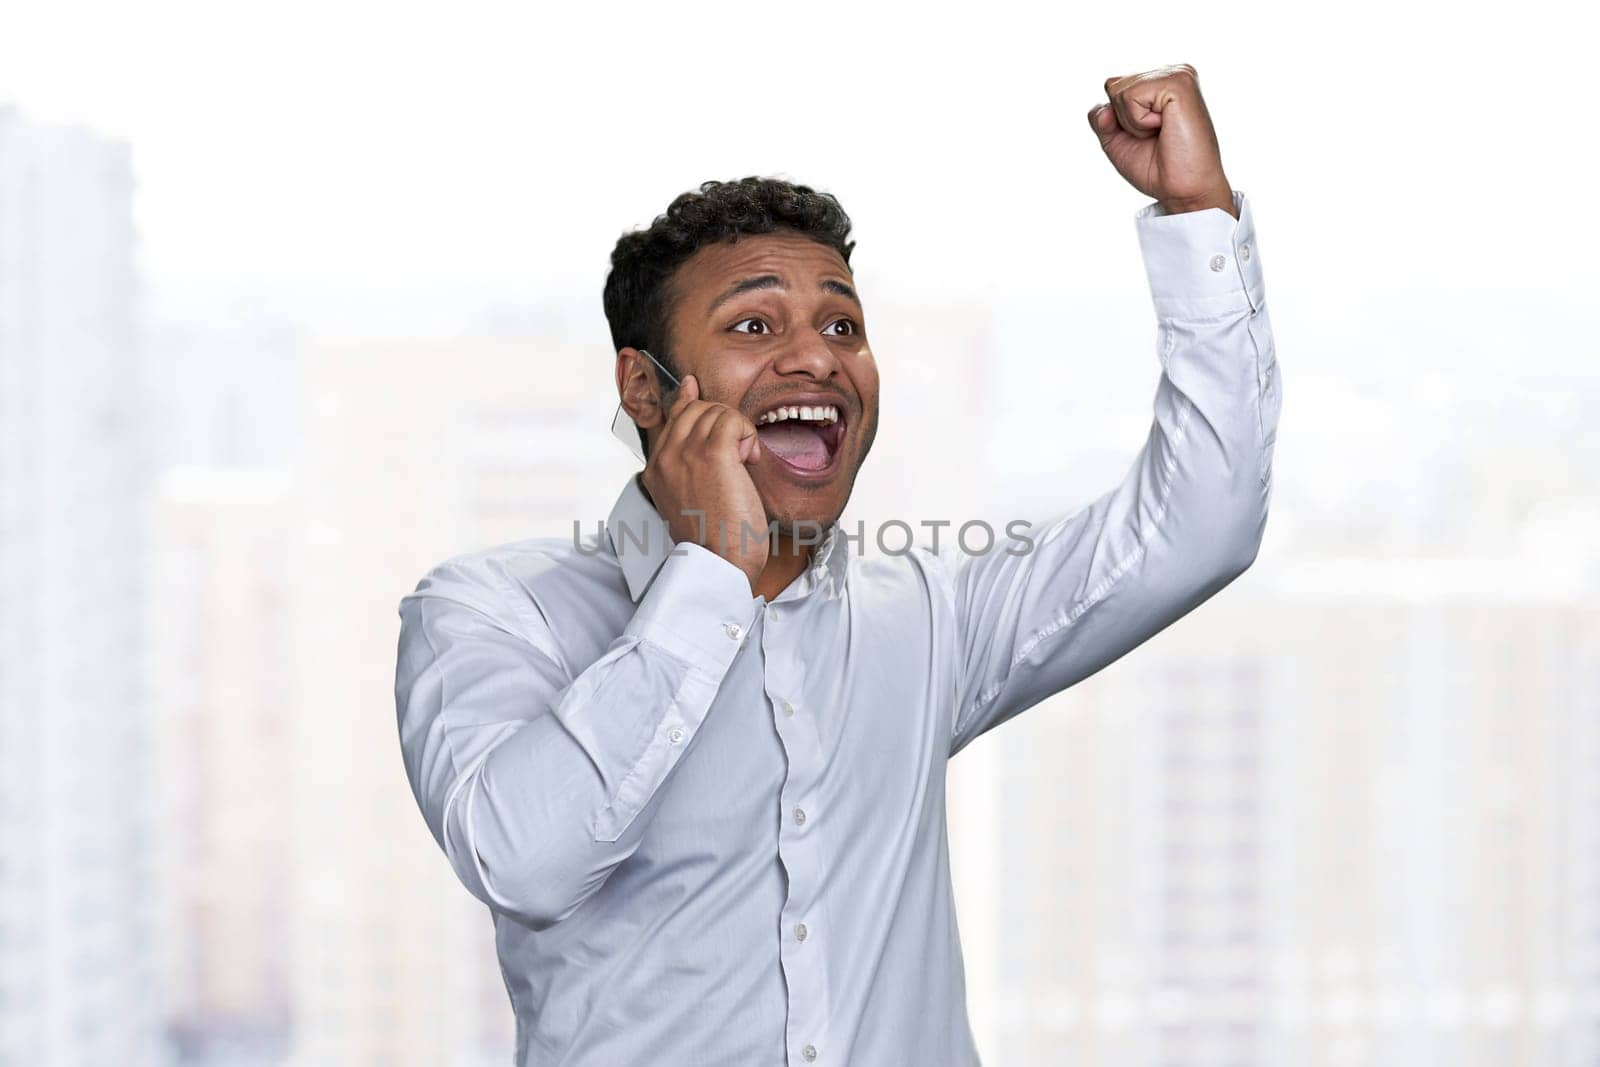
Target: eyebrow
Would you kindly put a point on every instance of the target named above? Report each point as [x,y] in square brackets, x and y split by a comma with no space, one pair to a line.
[772,281]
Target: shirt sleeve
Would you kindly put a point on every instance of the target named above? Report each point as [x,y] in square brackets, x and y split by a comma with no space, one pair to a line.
[1185,520]
[537,785]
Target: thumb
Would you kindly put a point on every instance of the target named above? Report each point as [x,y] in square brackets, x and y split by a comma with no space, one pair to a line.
[1103,121]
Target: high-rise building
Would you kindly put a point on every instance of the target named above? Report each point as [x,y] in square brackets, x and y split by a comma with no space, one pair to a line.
[221,691]
[411,453]
[1349,818]
[76,864]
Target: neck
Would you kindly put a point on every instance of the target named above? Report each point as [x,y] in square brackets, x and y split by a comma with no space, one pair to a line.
[785,563]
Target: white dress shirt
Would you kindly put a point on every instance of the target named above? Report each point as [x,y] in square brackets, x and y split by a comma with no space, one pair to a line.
[711,829]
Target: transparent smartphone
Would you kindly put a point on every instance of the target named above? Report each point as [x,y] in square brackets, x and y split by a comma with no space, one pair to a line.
[623,428]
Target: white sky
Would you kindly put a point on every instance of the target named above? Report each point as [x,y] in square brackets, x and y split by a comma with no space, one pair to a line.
[319,156]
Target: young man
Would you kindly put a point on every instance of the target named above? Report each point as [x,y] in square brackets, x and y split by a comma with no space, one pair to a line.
[698,777]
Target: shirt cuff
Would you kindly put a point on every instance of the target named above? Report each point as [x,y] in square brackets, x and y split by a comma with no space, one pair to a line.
[699,608]
[1201,264]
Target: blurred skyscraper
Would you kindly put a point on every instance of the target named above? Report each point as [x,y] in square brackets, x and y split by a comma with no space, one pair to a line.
[221,398]
[1347,817]
[221,688]
[412,453]
[77,836]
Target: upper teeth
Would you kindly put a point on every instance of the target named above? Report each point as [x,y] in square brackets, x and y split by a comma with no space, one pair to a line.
[803,412]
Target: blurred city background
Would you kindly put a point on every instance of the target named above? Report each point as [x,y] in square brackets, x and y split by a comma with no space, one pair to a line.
[297,301]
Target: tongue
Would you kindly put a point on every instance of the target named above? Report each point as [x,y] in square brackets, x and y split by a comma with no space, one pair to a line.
[795,443]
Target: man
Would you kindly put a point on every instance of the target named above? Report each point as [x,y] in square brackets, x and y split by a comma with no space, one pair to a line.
[699,778]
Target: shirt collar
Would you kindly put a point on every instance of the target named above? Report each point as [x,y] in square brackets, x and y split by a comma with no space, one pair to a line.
[828,562]
[639,537]
[641,543]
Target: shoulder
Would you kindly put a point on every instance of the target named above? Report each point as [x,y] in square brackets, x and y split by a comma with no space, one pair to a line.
[508,583]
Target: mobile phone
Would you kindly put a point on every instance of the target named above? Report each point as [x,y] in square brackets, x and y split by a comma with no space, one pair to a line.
[623,428]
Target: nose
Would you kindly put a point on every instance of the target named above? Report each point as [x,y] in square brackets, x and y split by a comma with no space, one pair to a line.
[808,354]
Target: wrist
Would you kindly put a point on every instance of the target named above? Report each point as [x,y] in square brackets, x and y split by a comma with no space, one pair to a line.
[1221,197]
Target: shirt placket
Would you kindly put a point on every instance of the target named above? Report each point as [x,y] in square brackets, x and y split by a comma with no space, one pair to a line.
[801,933]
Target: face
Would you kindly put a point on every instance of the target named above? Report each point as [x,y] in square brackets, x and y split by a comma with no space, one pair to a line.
[766,323]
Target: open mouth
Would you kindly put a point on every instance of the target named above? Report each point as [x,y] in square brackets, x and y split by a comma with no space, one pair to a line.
[805,438]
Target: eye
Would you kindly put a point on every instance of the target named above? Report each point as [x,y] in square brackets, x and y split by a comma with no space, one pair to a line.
[850,324]
[754,321]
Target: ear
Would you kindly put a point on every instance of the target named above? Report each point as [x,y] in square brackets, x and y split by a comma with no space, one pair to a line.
[637,389]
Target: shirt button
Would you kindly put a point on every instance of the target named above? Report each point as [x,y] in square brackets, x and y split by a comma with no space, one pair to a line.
[809,1053]
[788,709]
[799,816]
[1244,253]
[772,613]
[800,931]
[675,735]
[733,630]
[1218,262]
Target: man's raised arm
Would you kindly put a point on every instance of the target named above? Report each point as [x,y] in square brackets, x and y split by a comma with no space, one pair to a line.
[1189,515]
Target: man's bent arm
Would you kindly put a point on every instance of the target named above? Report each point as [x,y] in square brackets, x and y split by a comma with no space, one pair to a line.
[1184,522]
[537,785]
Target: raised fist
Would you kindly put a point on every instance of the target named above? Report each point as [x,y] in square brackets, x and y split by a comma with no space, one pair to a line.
[1157,133]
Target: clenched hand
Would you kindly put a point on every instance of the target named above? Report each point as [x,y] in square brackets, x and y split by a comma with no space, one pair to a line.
[1157,133]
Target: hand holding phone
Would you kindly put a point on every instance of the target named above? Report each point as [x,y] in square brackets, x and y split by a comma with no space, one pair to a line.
[698,478]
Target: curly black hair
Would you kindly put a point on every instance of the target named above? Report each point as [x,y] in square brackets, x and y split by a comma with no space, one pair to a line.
[638,294]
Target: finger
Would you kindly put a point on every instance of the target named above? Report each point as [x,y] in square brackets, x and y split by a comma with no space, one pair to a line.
[689,434]
[1129,81]
[750,446]
[1147,96]
[688,390]
[732,429]
[1116,92]
[749,440]
[722,428]
[699,434]
[1179,92]
[687,412]
[688,396]
[1103,121]
[1116,142]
